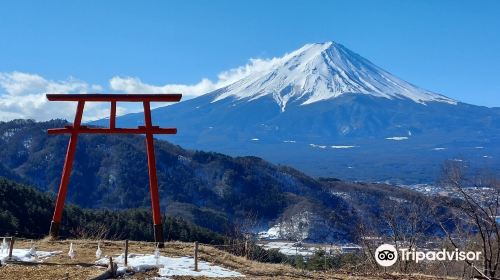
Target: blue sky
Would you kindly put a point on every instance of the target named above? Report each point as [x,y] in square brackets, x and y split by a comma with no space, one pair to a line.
[450,47]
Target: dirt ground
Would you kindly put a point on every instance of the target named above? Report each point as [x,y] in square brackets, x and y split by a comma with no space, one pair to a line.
[82,266]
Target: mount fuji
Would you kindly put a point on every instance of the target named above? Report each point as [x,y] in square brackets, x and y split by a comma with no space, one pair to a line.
[330,112]
[318,72]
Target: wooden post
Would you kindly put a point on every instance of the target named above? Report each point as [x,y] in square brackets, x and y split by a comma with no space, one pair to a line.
[111,269]
[11,247]
[196,256]
[110,273]
[246,249]
[126,252]
[325,259]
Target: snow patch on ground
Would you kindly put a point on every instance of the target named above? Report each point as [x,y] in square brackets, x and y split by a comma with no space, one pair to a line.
[27,143]
[169,266]
[272,233]
[25,255]
[294,227]
[318,146]
[289,248]
[333,147]
[397,138]
[343,195]
[400,200]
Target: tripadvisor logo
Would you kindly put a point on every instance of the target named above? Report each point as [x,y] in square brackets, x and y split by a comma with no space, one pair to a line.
[387,255]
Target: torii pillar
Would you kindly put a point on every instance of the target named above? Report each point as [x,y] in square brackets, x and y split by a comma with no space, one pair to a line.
[148,129]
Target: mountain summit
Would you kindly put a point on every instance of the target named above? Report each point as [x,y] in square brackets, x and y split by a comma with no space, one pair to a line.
[330,112]
[324,71]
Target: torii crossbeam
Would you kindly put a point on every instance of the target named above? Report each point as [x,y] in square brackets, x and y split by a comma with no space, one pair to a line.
[148,129]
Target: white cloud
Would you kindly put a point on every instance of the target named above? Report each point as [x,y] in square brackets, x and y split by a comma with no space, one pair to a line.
[135,85]
[22,95]
[255,65]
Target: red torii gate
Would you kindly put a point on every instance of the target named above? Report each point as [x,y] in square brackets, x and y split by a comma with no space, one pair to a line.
[77,128]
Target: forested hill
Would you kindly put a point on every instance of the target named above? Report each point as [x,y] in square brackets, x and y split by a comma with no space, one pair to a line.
[27,212]
[212,190]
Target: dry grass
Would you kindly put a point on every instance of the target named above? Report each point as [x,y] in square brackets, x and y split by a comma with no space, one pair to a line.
[62,267]
[82,267]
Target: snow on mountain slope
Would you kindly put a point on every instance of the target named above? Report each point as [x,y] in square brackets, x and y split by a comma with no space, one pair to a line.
[323,71]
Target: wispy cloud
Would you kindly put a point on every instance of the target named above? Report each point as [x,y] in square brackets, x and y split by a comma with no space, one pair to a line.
[135,85]
[22,95]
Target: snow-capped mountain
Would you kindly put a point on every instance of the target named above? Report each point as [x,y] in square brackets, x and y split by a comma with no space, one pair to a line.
[318,72]
[330,112]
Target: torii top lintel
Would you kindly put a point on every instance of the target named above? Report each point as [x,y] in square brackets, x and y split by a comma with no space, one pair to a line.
[113,98]
[106,97]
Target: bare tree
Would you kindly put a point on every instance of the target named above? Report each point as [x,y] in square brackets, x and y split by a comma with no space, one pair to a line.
[407,221]
[368,238]
[242,233]
[476,199]
[402,221]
